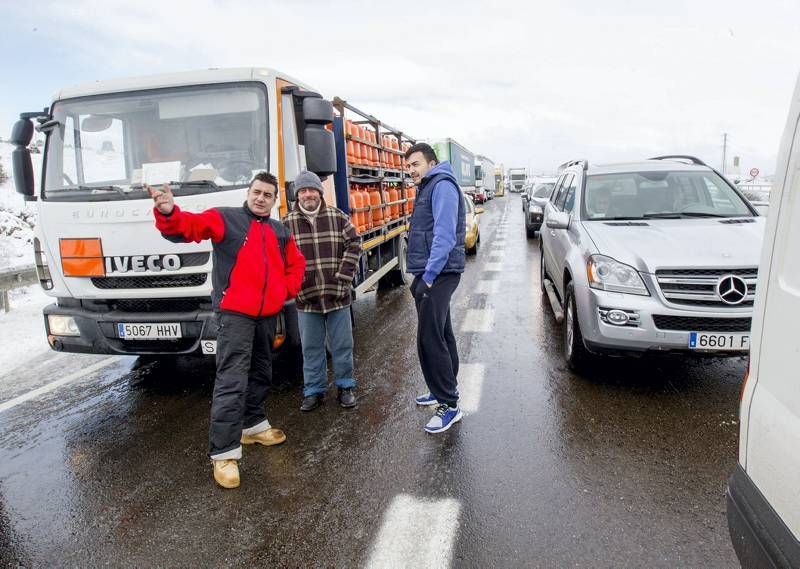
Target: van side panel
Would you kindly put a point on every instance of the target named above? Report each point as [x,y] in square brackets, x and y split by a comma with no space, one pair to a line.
[771,406]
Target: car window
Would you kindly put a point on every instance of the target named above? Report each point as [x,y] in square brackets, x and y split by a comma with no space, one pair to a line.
[562,192]
[556,189]
[569,200]
[543,190]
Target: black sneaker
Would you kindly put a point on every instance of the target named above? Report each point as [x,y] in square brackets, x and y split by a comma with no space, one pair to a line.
[346,397]
[311,402]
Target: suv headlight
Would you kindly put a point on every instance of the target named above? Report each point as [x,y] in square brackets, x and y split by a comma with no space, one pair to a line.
[607,274]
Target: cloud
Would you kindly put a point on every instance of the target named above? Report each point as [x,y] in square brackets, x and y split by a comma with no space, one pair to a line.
[532,83]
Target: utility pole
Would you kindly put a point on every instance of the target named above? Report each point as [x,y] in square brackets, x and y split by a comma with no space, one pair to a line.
[724,150]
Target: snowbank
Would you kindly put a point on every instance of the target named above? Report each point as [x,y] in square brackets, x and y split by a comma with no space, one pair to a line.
[22,329]
[17,218]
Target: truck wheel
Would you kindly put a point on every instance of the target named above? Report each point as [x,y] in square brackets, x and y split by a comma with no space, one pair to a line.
[398,276]
[530,232]
[574,349]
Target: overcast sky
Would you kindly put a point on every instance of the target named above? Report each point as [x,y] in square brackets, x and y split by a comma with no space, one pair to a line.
[526,83]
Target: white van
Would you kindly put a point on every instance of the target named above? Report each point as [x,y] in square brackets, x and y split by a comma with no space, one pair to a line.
[764,491]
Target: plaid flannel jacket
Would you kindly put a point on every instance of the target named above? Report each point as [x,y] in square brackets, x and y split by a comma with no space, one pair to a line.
[332,247]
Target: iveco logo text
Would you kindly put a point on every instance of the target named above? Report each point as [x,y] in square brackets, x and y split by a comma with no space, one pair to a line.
[731,289]
[142,263]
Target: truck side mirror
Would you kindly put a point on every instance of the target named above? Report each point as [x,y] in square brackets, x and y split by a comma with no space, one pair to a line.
[21,136]
[319,142]
[290,193]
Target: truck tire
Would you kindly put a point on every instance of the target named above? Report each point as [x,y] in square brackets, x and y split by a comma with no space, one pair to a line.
[398,276]
[575,352]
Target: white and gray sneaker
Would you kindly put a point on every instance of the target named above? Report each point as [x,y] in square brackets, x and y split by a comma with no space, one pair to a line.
[444,418]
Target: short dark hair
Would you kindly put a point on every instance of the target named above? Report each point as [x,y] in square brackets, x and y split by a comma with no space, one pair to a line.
[426,150]
[265,177]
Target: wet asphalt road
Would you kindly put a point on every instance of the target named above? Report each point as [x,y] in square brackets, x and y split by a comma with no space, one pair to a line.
[625,466]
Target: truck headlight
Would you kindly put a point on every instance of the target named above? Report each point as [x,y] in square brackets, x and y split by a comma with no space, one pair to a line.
[607,274]
[533,208]
[62,325]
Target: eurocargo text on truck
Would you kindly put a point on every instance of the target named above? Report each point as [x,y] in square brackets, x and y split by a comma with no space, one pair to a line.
[119,287]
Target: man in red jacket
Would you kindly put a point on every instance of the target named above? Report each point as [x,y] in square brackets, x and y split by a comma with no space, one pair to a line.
[257,267]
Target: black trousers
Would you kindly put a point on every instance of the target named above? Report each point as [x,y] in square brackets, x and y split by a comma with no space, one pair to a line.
[436,343]
[244,373]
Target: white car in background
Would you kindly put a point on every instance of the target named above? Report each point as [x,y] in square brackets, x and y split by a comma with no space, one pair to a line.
[764,490]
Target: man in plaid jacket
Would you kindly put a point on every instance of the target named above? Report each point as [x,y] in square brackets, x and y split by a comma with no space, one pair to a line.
[332,247]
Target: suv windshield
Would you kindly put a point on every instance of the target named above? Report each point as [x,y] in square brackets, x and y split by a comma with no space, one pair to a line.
[199,138]
[660,194]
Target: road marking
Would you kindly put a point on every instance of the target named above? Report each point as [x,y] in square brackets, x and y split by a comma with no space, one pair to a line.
[493,267]
[470,386]
[497,257]
[11,403]
[478,320]
[416,532]
[487,287]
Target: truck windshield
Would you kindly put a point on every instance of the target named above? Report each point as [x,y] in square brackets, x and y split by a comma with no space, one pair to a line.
[660,194]
[200,139]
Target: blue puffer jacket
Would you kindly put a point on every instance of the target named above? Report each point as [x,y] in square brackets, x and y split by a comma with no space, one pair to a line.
[438,226]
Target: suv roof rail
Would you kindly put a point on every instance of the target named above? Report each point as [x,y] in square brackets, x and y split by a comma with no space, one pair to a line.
[577,162]
[692,159]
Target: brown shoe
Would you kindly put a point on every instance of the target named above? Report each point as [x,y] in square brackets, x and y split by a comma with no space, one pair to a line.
[267,438]
[226,473]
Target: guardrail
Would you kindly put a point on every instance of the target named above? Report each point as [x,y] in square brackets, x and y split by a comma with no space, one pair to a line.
[15,277]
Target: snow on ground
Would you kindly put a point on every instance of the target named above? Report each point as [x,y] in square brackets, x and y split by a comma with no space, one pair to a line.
[22,334]
[17,218]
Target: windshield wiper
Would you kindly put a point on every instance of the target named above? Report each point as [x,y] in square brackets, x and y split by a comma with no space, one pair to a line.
[706,214]
[663,215]
[72,189]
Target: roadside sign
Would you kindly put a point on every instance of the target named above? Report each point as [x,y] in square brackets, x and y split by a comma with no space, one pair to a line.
[754,172]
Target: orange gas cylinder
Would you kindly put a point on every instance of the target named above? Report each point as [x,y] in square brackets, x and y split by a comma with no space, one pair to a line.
[411,195]
[375,202]
[351,157]
[366,219]
[394,195]
[353,206]
[357,202]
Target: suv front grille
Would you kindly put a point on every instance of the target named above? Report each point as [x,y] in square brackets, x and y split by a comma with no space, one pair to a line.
[698,287]
[160,281]
[699,324]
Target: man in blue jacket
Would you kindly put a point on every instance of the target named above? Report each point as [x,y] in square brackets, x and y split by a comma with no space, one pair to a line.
[436,258]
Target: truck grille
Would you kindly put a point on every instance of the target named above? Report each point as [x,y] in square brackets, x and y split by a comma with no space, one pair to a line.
[699,324]
[698,287]
[160,281]
[162,304]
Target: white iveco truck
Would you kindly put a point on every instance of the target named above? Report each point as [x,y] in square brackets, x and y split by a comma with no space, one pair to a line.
[119,286]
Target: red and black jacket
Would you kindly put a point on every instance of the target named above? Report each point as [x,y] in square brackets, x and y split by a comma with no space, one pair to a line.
[257,266]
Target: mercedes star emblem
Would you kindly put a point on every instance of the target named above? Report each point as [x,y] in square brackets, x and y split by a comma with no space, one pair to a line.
[731,289]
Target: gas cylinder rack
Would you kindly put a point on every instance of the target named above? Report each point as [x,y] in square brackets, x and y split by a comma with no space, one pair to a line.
[373,188]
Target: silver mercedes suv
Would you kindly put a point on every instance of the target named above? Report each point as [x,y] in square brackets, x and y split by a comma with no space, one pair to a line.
[658,255]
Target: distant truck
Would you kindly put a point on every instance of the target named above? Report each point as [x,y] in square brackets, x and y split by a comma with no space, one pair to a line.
[461,159]
[517,177]
[484,179]
[499,185]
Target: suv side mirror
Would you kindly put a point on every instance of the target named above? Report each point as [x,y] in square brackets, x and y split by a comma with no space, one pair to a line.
[558,220]
[319,142]
[290,193]
[21,136]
